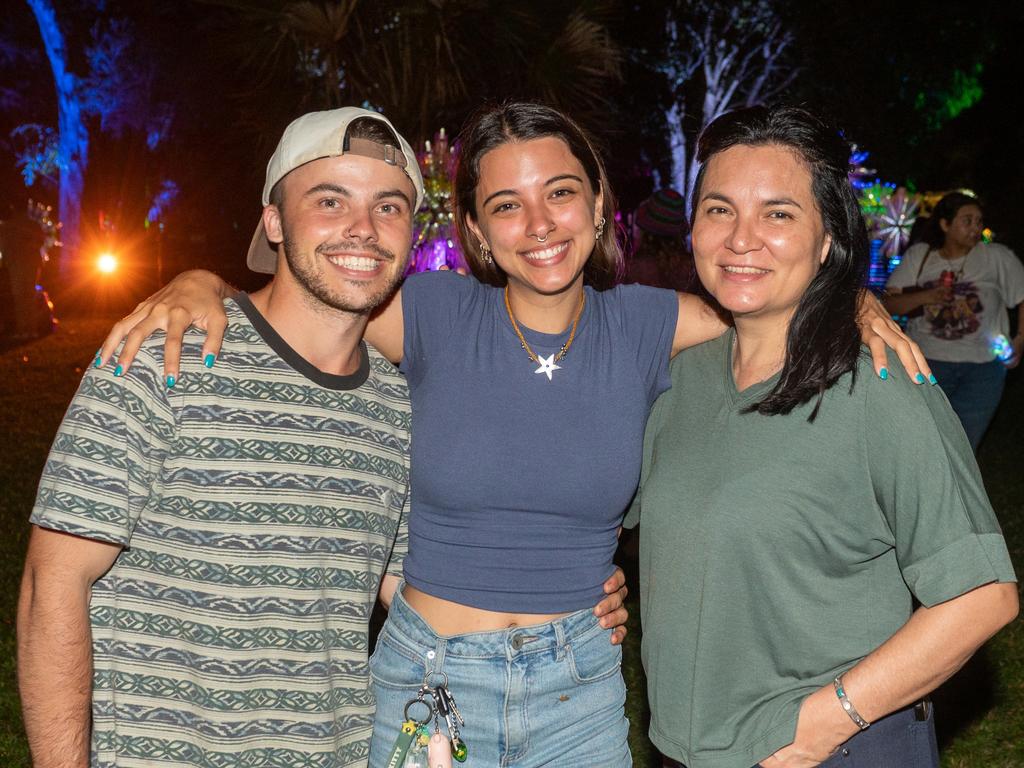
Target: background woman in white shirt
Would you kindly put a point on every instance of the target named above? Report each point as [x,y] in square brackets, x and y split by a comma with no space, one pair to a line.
[956,290]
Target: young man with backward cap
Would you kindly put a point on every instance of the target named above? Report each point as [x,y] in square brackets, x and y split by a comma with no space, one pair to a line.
[205,552]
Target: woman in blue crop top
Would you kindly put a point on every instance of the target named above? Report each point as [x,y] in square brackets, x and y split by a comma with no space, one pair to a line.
[530,387]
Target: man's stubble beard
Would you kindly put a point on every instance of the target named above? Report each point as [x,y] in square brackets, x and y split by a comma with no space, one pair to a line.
[316,287]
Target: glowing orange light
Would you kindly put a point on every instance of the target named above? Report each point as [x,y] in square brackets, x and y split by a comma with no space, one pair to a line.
[106,263]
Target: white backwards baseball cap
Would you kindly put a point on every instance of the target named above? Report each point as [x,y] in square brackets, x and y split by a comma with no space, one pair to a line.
[325,134]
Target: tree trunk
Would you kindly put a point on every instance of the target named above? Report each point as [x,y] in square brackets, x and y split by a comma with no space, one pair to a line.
[74,137]
[677,144]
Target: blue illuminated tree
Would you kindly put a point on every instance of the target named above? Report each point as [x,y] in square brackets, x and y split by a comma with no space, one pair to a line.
[73,142]
[115,89]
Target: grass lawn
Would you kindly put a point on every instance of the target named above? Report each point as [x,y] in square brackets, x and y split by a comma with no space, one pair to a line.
[980,712]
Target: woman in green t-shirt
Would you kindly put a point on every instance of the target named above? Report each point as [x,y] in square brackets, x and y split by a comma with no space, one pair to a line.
[793,505]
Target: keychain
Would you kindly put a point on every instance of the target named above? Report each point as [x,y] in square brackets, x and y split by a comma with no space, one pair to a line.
[415,747]
[412,733]
[444,704]
[418,756]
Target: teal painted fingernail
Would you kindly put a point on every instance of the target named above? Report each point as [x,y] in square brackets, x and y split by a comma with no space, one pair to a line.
[119,370]
[932,379]
[883,374]
[209,360]
[97,362]
[170,381]
[919,378]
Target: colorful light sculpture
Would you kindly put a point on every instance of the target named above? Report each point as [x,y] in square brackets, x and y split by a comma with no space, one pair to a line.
[893,224]
[435,243]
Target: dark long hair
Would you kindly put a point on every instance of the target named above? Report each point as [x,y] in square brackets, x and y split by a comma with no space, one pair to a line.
[492,127]
[945,210]
[823,341]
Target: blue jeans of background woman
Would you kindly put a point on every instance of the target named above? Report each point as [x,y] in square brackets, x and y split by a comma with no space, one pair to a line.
[545,695]
[974,391]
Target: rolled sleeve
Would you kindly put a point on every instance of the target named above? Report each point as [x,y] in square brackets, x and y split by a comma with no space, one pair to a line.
[928,487]
[959,567]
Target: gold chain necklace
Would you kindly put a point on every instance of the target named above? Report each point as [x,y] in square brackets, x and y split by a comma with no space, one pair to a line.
[565,347]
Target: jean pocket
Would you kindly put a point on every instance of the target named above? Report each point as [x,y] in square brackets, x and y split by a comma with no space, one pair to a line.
[925,745]
[594,657]
[395,665]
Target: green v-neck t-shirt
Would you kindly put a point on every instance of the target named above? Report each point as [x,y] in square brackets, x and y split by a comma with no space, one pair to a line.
[776,553]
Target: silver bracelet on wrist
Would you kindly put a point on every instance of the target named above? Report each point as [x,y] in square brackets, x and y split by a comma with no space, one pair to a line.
[847,705]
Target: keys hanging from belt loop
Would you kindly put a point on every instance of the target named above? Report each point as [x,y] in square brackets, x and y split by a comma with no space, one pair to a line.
[445,705]
[445,701]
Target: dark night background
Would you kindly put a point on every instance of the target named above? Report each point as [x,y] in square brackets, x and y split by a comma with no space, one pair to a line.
[891,72]
[193,95]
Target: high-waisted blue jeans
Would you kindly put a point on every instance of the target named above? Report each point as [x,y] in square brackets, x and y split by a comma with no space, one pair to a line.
[545,695]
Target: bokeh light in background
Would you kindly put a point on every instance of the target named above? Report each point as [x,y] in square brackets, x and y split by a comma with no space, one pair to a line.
[106,263]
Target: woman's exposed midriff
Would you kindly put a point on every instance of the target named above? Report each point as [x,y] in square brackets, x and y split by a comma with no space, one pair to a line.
[449,618]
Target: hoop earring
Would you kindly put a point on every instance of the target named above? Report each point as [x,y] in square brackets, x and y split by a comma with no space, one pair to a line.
[599,229]
[485,252]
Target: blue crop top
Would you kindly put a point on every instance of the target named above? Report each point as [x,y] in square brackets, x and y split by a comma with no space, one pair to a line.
[519,483]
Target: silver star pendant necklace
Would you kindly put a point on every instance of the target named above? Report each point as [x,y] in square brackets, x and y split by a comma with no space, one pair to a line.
[547,364]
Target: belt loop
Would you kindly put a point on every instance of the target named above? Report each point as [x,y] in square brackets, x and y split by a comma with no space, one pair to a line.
[561,642]
[435,657]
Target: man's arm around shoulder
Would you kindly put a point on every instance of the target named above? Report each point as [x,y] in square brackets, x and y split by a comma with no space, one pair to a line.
[55,644]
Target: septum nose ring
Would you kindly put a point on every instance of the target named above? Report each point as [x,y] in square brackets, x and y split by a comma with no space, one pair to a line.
[542,239]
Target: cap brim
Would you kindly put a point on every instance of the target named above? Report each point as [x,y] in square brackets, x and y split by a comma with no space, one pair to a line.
[262,255]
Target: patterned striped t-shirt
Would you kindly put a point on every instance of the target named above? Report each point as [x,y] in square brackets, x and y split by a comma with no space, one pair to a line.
[258,504]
